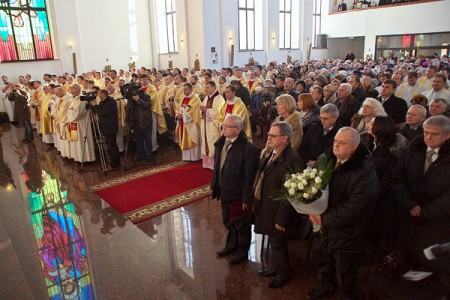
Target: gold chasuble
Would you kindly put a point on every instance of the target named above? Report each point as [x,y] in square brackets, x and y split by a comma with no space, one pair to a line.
[157,107]
[46,118]
[237,107]
[188,130]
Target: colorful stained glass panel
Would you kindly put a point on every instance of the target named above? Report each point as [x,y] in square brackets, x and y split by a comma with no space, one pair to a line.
[24,30]
[60,240]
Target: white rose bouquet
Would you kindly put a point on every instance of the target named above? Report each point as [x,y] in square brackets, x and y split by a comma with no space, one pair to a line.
[307,191]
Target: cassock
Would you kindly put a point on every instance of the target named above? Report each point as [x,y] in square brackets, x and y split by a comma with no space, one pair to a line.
[237,107]
[46,119]
[209,127]
[80,129]
[188,129]
[62,126]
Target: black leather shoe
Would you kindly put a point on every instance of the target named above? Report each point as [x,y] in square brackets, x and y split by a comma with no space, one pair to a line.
[319,293]
[238,259]
[226,251]
[278,282]
[267,273]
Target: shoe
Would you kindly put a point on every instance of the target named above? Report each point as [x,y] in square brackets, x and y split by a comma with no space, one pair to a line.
[319,293]
[226,251]
[267,273]
[278,282]
[238,259]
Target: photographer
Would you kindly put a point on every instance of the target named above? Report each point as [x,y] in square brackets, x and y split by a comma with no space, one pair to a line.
[106,111]
[139,117]
[22,110]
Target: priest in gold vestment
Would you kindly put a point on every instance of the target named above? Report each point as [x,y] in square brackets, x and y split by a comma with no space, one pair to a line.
[235,106]
[188,124]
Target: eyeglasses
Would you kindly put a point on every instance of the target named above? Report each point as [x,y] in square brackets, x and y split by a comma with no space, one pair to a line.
[271,135]
[229,126]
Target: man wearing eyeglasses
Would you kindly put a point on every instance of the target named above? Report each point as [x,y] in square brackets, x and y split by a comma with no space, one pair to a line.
[235,163]
[273,217]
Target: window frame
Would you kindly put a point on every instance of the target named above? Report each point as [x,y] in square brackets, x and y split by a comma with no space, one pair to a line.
[317,17]
[248,9]
[168,15]
[283,13]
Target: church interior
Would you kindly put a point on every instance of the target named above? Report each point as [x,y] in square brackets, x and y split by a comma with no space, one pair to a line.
[68,242]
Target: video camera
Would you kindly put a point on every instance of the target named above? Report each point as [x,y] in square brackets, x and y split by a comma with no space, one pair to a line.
[89,96]
[130,89]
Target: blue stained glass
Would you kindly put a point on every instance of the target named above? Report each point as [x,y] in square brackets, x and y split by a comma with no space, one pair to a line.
[5,26]
[37,3]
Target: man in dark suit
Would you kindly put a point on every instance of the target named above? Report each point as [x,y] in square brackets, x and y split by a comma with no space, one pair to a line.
[235,162]
[357,91]
[317,94]
[414,118]
[353,194]
[273,217]
[420,185]
[107,114]
[395,107]
[348,106]
[242,92]
[319,137]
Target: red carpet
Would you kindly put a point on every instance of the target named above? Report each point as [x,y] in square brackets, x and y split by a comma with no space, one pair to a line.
[156,191]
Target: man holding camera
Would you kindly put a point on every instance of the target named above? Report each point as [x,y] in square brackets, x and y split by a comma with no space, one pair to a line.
[139,117]
[107,114]
[22,110]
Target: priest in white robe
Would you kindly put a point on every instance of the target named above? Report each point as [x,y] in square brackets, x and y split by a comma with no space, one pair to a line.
[81,137]
[62,126]
[210,121]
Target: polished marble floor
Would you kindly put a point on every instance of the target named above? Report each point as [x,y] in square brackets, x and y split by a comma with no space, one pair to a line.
[57,237]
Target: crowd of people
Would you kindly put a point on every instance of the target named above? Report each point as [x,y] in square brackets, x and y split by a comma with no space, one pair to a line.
[384,124]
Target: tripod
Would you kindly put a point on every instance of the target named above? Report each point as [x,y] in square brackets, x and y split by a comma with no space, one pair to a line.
[128,134]
[99,141]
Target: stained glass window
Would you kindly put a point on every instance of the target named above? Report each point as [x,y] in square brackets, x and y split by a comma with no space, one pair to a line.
[60,239]
[24,30]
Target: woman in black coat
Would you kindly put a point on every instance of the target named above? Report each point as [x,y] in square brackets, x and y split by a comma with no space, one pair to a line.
[386,145]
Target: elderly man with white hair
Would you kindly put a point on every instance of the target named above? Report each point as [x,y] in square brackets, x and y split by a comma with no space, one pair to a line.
[420,185]
[348,106]
[414,118]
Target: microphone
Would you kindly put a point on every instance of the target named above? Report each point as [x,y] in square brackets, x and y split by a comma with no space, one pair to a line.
[437,251]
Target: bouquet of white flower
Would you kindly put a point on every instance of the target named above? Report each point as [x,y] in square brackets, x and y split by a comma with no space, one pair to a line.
[307,191]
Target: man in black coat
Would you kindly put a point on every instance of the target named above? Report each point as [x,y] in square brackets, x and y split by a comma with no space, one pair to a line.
[357,91]
[235,162]
[348,106]
[420,183]
[394,106]
[353,189]
[107,114]
[273,217]
[139,118]
[242,92]
[414,118]
[320,136]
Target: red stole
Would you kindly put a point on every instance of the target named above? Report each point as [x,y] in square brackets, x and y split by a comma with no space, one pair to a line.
[229,109]
[250,83]
[185,101]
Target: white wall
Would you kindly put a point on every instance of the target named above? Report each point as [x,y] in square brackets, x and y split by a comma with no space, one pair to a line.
[417,18]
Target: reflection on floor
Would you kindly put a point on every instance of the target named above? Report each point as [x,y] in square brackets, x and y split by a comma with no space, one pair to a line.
[59,240]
